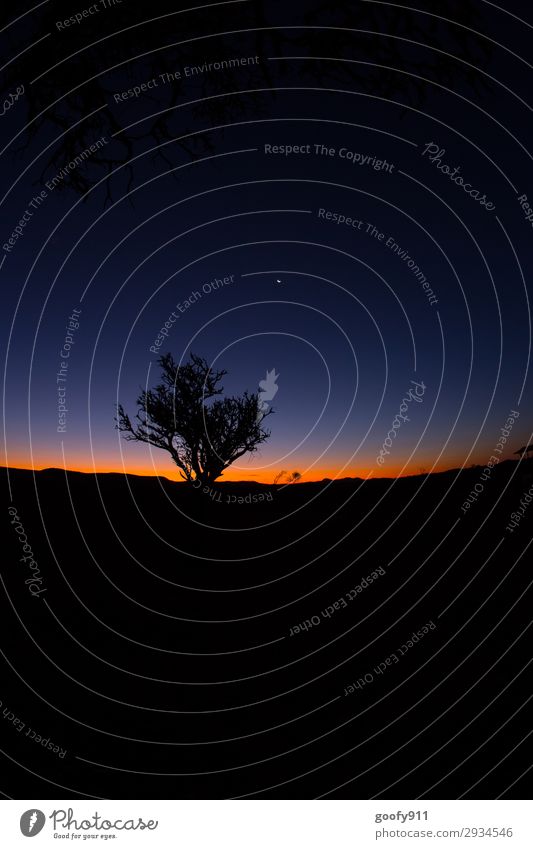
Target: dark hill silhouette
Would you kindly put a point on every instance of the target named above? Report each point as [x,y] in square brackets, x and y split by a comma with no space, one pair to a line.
[149,583]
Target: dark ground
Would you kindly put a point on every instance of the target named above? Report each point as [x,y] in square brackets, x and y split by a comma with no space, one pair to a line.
[160,657]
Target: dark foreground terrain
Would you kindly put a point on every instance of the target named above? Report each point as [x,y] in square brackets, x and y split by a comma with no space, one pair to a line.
[352,639]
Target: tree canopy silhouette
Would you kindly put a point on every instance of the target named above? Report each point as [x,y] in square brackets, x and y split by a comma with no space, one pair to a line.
[202,438]
[71,76]
[525,451]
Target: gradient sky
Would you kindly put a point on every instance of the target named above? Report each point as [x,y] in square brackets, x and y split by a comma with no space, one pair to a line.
[347,328]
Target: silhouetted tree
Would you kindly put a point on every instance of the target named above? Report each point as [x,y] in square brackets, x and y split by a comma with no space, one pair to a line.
[202,438]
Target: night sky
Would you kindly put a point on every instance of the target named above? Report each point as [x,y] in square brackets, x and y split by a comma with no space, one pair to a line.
[331,202]
[333,307]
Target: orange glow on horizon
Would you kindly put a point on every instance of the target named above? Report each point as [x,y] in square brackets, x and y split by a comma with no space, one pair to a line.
[317,473]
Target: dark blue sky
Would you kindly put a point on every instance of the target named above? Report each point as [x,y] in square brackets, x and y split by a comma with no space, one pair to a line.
[348,328]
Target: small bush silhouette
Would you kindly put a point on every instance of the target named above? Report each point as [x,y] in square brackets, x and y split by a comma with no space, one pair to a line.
[290,477]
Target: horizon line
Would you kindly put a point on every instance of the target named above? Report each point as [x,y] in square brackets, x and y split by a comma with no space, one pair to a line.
[143,473]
